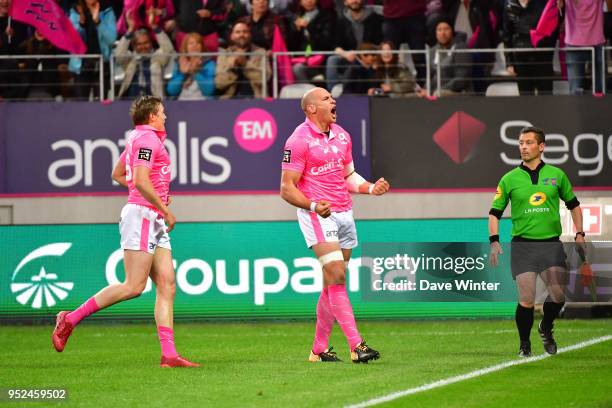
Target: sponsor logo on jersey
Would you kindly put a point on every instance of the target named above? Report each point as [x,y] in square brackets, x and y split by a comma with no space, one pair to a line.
[328,167]
[537,199]
[144,154]
[287,156]
[498,193]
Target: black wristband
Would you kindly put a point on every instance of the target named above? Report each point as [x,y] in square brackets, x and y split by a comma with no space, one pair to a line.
[579,233]
[494,238]
[496,213]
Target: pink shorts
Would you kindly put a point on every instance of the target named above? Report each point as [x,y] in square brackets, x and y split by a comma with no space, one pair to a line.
[338,227]
[142,229]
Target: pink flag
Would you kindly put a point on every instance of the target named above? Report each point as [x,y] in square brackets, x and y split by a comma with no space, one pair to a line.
[549,20]
[285,72]
[129,6]
[49,19]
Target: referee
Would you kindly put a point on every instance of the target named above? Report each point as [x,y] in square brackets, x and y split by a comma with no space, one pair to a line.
[535,189]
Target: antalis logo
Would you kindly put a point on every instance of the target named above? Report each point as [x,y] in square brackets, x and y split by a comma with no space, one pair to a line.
[42,287]
[459,135]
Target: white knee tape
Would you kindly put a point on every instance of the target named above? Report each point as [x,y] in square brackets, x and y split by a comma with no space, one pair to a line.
[331,257]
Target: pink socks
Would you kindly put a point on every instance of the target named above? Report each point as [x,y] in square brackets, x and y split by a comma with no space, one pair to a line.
[325,323]
[166,340]
[342,310]
[83,311]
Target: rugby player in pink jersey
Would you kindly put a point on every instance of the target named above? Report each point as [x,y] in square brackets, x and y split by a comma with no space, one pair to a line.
[146,220]
[318,176]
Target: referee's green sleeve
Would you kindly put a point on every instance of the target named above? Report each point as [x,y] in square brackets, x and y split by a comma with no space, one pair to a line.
[566,193]
[500,201]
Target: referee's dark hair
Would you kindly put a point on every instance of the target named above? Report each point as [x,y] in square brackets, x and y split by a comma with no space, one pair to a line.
[540,136]
[143,107]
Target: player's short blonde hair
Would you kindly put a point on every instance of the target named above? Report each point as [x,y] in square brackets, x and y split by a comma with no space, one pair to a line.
[143,107]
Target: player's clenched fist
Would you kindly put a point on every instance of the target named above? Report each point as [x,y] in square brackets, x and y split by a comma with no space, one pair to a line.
[323,208]
[381,186]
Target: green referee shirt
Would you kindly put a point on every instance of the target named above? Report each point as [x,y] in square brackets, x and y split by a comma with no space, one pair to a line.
[535,198]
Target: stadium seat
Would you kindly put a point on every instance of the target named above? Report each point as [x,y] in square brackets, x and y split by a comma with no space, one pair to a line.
[294,91]
[560,88]
[500,65]
[503,89]
[169,68]
[119,74]
[407,58]
[337,90]
[556,59]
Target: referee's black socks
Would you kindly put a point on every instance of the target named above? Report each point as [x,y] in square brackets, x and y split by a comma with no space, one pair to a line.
[524,321]
[551,311]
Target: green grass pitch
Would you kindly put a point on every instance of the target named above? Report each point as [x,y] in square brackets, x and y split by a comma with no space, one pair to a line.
[264,364]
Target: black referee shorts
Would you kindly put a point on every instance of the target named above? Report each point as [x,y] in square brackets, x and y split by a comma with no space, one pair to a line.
[529,255]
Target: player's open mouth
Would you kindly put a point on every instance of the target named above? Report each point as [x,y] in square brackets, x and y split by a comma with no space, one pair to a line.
[333,110]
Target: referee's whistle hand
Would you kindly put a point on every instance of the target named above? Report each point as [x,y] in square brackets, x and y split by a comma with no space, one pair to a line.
[496,250]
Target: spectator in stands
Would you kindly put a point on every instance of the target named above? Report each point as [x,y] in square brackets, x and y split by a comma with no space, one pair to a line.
[44,78]
[405,23]
[117,6]
[455,67]
[148,14]
[235,9]
[533,70]
[261,22]
[194,76]
[12,84]
[608,35]
[361,77]
[283,7]
[203,17]
[433,12]
[584,27]
[95,22]
[143,65]
[608,21]
[280,7]
[393,78]
[478,20]
[311,29]
[240,75]
[357,24]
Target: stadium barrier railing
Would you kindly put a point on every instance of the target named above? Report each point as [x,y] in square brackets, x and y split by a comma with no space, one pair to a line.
[416,61]
[489,69]
[117,72]
[13,65]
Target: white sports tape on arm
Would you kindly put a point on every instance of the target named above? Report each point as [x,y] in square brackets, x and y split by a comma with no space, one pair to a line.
[348,169]
[353,179]
[331,257]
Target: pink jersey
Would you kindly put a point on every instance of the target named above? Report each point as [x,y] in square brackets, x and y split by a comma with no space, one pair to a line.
[145,147]
[584,23]
[321,161]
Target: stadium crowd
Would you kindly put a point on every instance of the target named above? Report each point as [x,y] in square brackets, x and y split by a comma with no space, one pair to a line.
[359,36]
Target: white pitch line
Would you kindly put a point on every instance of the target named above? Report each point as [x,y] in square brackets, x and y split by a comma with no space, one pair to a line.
[474,374]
